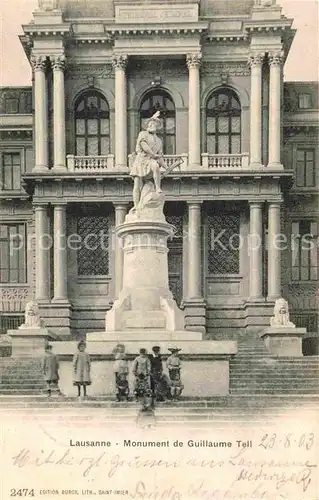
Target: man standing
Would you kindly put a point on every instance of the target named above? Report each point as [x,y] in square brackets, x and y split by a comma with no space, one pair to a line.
[148,158]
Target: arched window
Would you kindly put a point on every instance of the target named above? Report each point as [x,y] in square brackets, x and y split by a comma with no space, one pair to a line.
[92,125]
[223,128]
[159,100]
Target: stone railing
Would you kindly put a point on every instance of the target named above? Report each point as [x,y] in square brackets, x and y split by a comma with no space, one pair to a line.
[230,161]
[169,160]
[90,163]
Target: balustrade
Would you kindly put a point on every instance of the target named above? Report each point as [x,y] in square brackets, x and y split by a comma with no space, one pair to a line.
[228,161]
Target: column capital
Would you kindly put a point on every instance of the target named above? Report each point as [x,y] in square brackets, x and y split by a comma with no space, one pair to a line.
[119,61]
[196,205]
[256,204]
[58,62]
[38,62]
[193,60]
[276,58]
[120,205]
[255,59]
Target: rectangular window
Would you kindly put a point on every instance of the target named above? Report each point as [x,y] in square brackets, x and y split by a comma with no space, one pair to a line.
[13,253]
[304,101]
[305,168]
[223,243]
[10,322]
[12,105]
[11,172]
[93,254]
[304,251]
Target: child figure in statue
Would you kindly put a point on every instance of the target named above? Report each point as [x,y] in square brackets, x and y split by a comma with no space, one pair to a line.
[173,364]
[81,369]
[50,367]
[121,373]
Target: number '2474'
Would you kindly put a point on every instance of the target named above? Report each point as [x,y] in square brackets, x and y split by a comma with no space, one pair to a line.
[25,492]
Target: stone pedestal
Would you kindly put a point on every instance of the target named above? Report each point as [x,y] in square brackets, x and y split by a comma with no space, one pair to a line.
[284,341]
[145,301]
[29,342]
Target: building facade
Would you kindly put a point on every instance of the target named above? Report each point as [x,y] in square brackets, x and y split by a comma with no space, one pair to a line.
[244,202]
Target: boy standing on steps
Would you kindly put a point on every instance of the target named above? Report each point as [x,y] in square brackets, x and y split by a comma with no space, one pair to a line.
[50,367]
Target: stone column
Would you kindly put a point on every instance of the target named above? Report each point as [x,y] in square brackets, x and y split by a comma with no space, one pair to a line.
[194,133]
[194,288]
[40,113]
[255,61]
[42,247]
[120,213]
[274,252]
[275,62]
[60,253]
[119,64]
[255,251]
[58,64]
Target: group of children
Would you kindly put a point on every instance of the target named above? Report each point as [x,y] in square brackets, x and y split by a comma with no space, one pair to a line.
[150,382]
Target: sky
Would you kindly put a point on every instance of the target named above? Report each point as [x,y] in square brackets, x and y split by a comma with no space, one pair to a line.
[301,65]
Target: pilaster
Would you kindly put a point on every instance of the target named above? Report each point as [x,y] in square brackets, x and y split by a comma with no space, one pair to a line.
[194,135]
[119,63]
[255,61]
[39,64]
[275,63]
[58,65]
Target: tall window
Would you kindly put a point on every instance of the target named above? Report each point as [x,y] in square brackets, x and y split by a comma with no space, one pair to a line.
[304,245]
[11,172]
[92,125]
[223,243]
[93,255]
[13,262]
[223,123]
[159,100]
[305,168]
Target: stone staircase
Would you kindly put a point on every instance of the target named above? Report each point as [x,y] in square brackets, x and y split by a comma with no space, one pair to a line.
[220,412]
[21,376]
[254,371]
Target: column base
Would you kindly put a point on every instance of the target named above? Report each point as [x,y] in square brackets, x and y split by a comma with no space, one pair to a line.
[255,165]
[194,166]
[59,168]
[60,300]
[121,166]
[255,300]
[40,168]
[275,166]
[195,314]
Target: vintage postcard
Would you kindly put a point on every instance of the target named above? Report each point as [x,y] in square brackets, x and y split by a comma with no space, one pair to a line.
[159,173]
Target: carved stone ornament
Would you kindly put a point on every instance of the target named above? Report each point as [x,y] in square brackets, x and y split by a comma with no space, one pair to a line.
[119,61]
[281,315]
[32,316]
[12,293]
[193,60]
[58,62]
[48,5]
[276,58]
[256,59]
[38,63]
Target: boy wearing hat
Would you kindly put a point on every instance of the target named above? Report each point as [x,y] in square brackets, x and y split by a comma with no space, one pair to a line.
[159,382]
[81,369]
[148,159]
[121,373]
[173,364]
[50,367]
[141,366]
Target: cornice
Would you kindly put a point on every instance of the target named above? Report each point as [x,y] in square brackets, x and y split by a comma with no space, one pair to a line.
[47,29]
[151,29]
